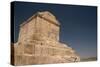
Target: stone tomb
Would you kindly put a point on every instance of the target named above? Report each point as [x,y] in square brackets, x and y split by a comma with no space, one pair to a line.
[38,42]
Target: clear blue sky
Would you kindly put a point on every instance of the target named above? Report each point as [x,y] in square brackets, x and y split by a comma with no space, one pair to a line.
[78,24]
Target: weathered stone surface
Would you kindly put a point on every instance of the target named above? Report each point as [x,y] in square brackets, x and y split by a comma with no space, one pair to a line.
[38,42]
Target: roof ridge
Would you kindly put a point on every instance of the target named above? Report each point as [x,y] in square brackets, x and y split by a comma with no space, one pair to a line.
[42,15]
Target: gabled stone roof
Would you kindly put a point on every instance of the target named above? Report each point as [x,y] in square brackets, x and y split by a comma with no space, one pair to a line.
[45,15]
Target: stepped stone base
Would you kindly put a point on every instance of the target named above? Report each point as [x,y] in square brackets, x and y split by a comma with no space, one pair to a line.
[43,54]
[26,60]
